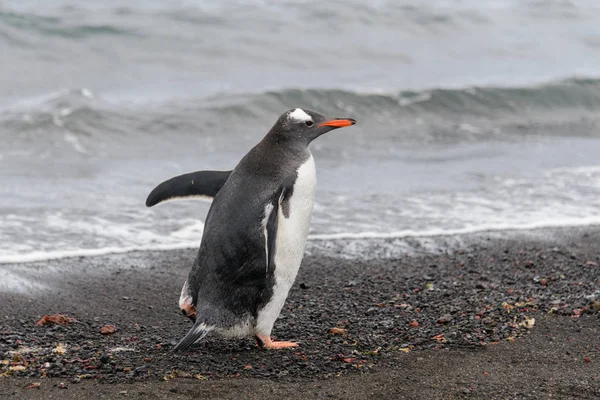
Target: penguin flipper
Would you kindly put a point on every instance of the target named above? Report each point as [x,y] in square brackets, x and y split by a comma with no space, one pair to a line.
[271,236]
[204,184]
[283,194]
[198,331]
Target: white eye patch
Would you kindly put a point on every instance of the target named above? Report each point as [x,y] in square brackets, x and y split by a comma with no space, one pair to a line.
[300,115]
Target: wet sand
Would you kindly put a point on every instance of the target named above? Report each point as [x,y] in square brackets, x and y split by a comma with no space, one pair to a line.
[492,318]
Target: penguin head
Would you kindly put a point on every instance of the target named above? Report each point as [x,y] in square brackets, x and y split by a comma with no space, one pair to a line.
[305,125]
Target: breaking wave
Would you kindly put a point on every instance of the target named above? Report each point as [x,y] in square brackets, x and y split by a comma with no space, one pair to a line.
[564,108]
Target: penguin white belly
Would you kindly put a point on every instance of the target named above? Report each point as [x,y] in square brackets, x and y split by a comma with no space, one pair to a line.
[290,243]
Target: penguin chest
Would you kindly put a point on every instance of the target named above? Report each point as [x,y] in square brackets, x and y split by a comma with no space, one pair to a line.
[292,231]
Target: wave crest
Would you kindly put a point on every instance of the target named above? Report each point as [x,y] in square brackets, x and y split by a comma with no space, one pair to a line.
[568,107]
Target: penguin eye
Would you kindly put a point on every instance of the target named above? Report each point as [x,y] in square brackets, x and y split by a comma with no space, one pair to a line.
[309,123]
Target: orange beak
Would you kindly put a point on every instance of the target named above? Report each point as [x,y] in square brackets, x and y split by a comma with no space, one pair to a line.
[339,123]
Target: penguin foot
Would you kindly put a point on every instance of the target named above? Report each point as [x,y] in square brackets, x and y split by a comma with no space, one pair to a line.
[265,342]
[189,311]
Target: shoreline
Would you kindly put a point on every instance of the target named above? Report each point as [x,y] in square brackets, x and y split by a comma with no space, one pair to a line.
[482,294]
[333,245]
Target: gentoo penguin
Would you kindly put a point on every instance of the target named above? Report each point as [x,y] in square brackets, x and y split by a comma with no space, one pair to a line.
[255,231]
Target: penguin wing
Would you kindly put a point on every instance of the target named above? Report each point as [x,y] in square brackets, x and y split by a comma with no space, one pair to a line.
[272,220]
[204,184]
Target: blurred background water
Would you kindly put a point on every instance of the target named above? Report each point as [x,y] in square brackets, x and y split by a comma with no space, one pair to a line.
[473,114]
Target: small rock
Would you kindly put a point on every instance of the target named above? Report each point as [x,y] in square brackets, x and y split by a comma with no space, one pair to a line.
[372,310]
[304,286]
[108,330]
[140,370]
[56,319]
[444,319]
[338,331]
[387,323]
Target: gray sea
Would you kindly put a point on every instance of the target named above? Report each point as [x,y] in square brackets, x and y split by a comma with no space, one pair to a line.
[473,115]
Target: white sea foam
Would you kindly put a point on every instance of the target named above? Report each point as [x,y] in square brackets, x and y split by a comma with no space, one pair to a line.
[15,283]
[188,243]
[74,141]
[560,197]
[58,254]
[35,101]
[569,222]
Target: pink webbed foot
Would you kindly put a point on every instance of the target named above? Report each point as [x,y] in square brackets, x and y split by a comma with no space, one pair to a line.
[265,342]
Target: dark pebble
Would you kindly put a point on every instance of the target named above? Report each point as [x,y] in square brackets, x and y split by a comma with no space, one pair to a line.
[140,370]
[372,310]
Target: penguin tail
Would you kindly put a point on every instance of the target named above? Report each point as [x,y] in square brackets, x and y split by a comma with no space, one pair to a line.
[198,331]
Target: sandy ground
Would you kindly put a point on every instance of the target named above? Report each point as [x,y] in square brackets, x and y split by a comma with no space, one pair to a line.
[496,318]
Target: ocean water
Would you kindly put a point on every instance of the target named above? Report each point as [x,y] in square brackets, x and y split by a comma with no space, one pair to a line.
[472,114]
